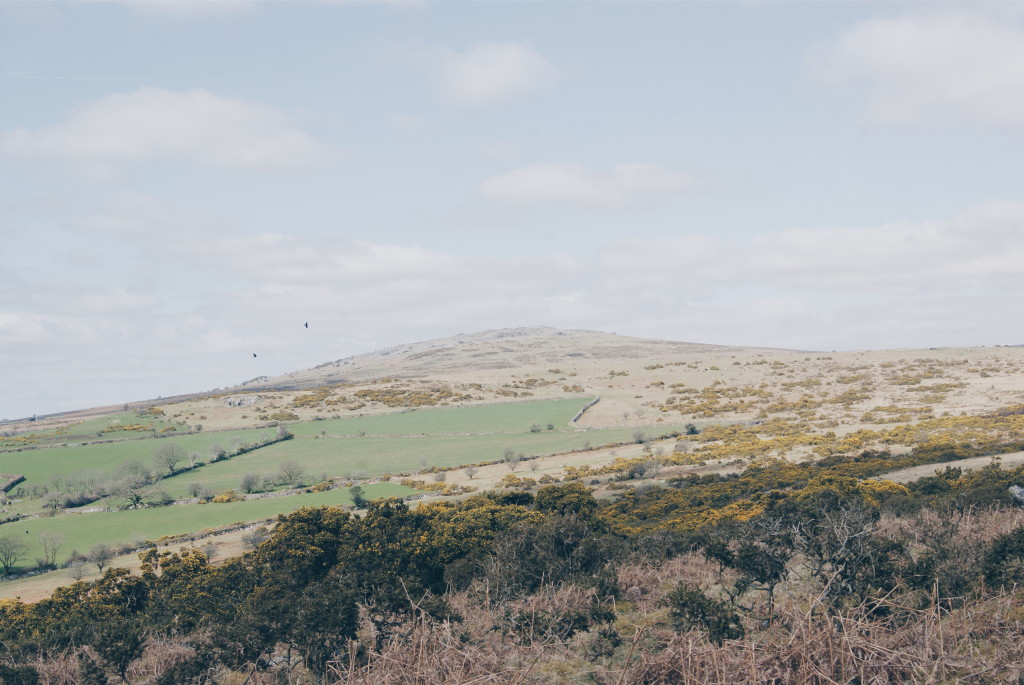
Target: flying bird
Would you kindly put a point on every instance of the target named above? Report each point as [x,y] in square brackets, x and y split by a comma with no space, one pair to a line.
[307,324]
[254,354]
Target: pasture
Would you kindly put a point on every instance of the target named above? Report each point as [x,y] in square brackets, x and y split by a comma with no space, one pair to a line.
[358,447]
[83,530]
[510,417]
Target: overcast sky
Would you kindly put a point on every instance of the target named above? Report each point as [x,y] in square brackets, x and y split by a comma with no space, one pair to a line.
[185,184]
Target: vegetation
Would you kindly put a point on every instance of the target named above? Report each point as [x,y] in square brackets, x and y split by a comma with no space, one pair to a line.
[548,587]
[757,540]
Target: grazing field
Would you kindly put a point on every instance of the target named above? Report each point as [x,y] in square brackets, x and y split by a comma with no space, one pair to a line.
[370,457]
[40,465]
[360,447]
[510,417]
[81,531]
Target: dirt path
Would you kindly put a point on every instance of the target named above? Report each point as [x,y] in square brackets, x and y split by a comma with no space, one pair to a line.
[1010,460]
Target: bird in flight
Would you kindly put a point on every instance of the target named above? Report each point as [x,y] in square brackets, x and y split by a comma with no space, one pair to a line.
[307,324]
[254,354]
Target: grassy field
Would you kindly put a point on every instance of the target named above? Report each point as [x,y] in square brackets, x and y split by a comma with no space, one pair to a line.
[39,465]
[82,531]
[374,456]
[364,446]
[512,417]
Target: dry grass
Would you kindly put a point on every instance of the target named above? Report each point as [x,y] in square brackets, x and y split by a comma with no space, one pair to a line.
[980,643]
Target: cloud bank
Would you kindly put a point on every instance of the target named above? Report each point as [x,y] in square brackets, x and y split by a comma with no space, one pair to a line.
[956,65]
[154,123]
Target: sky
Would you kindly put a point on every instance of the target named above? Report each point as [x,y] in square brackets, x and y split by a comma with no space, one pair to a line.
[184,185]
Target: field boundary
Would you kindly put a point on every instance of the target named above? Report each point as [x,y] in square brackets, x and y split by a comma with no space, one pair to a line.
[586,406]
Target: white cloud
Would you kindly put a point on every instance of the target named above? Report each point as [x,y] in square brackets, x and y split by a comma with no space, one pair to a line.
[626,185]
[948,281]
[487,73]
[981,248]
[153,123]
[955,65]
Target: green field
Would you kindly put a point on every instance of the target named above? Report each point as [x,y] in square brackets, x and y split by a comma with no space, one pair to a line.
[38,465]
[82,531]
[363,446]
[512,417]
[376,456]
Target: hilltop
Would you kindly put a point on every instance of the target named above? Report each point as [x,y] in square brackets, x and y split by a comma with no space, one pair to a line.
[489,353]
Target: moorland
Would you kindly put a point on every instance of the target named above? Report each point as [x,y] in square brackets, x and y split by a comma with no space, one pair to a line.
[531,505]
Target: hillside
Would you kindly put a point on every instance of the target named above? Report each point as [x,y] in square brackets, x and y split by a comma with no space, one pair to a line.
[607,504]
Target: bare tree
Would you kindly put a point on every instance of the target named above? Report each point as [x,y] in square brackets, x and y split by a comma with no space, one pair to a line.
[470,471]
[77,570]
[168,456]
[253,538]
[100,554]
[440,476]
[12,550]
[291,473]
[51,542]
[250,483]
[132,490]
[53,501]
[134,470]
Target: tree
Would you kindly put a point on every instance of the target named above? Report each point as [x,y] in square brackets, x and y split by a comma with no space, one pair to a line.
[53,501]
[100,554]
[358,498]
[12,550]
[131,479]
[51,542]
[250,483]
[470,471]
[254,538]
[132,491]
[291,473]
[77,570]
[135,470]
[167,456]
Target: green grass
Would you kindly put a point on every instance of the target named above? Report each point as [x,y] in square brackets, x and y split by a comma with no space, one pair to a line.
[40,464]
[512,417]
[373,445]
[375,456]
[82,531]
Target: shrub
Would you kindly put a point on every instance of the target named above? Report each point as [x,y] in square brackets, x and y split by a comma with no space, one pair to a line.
[691,609]
[227,496]
[1004,561]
